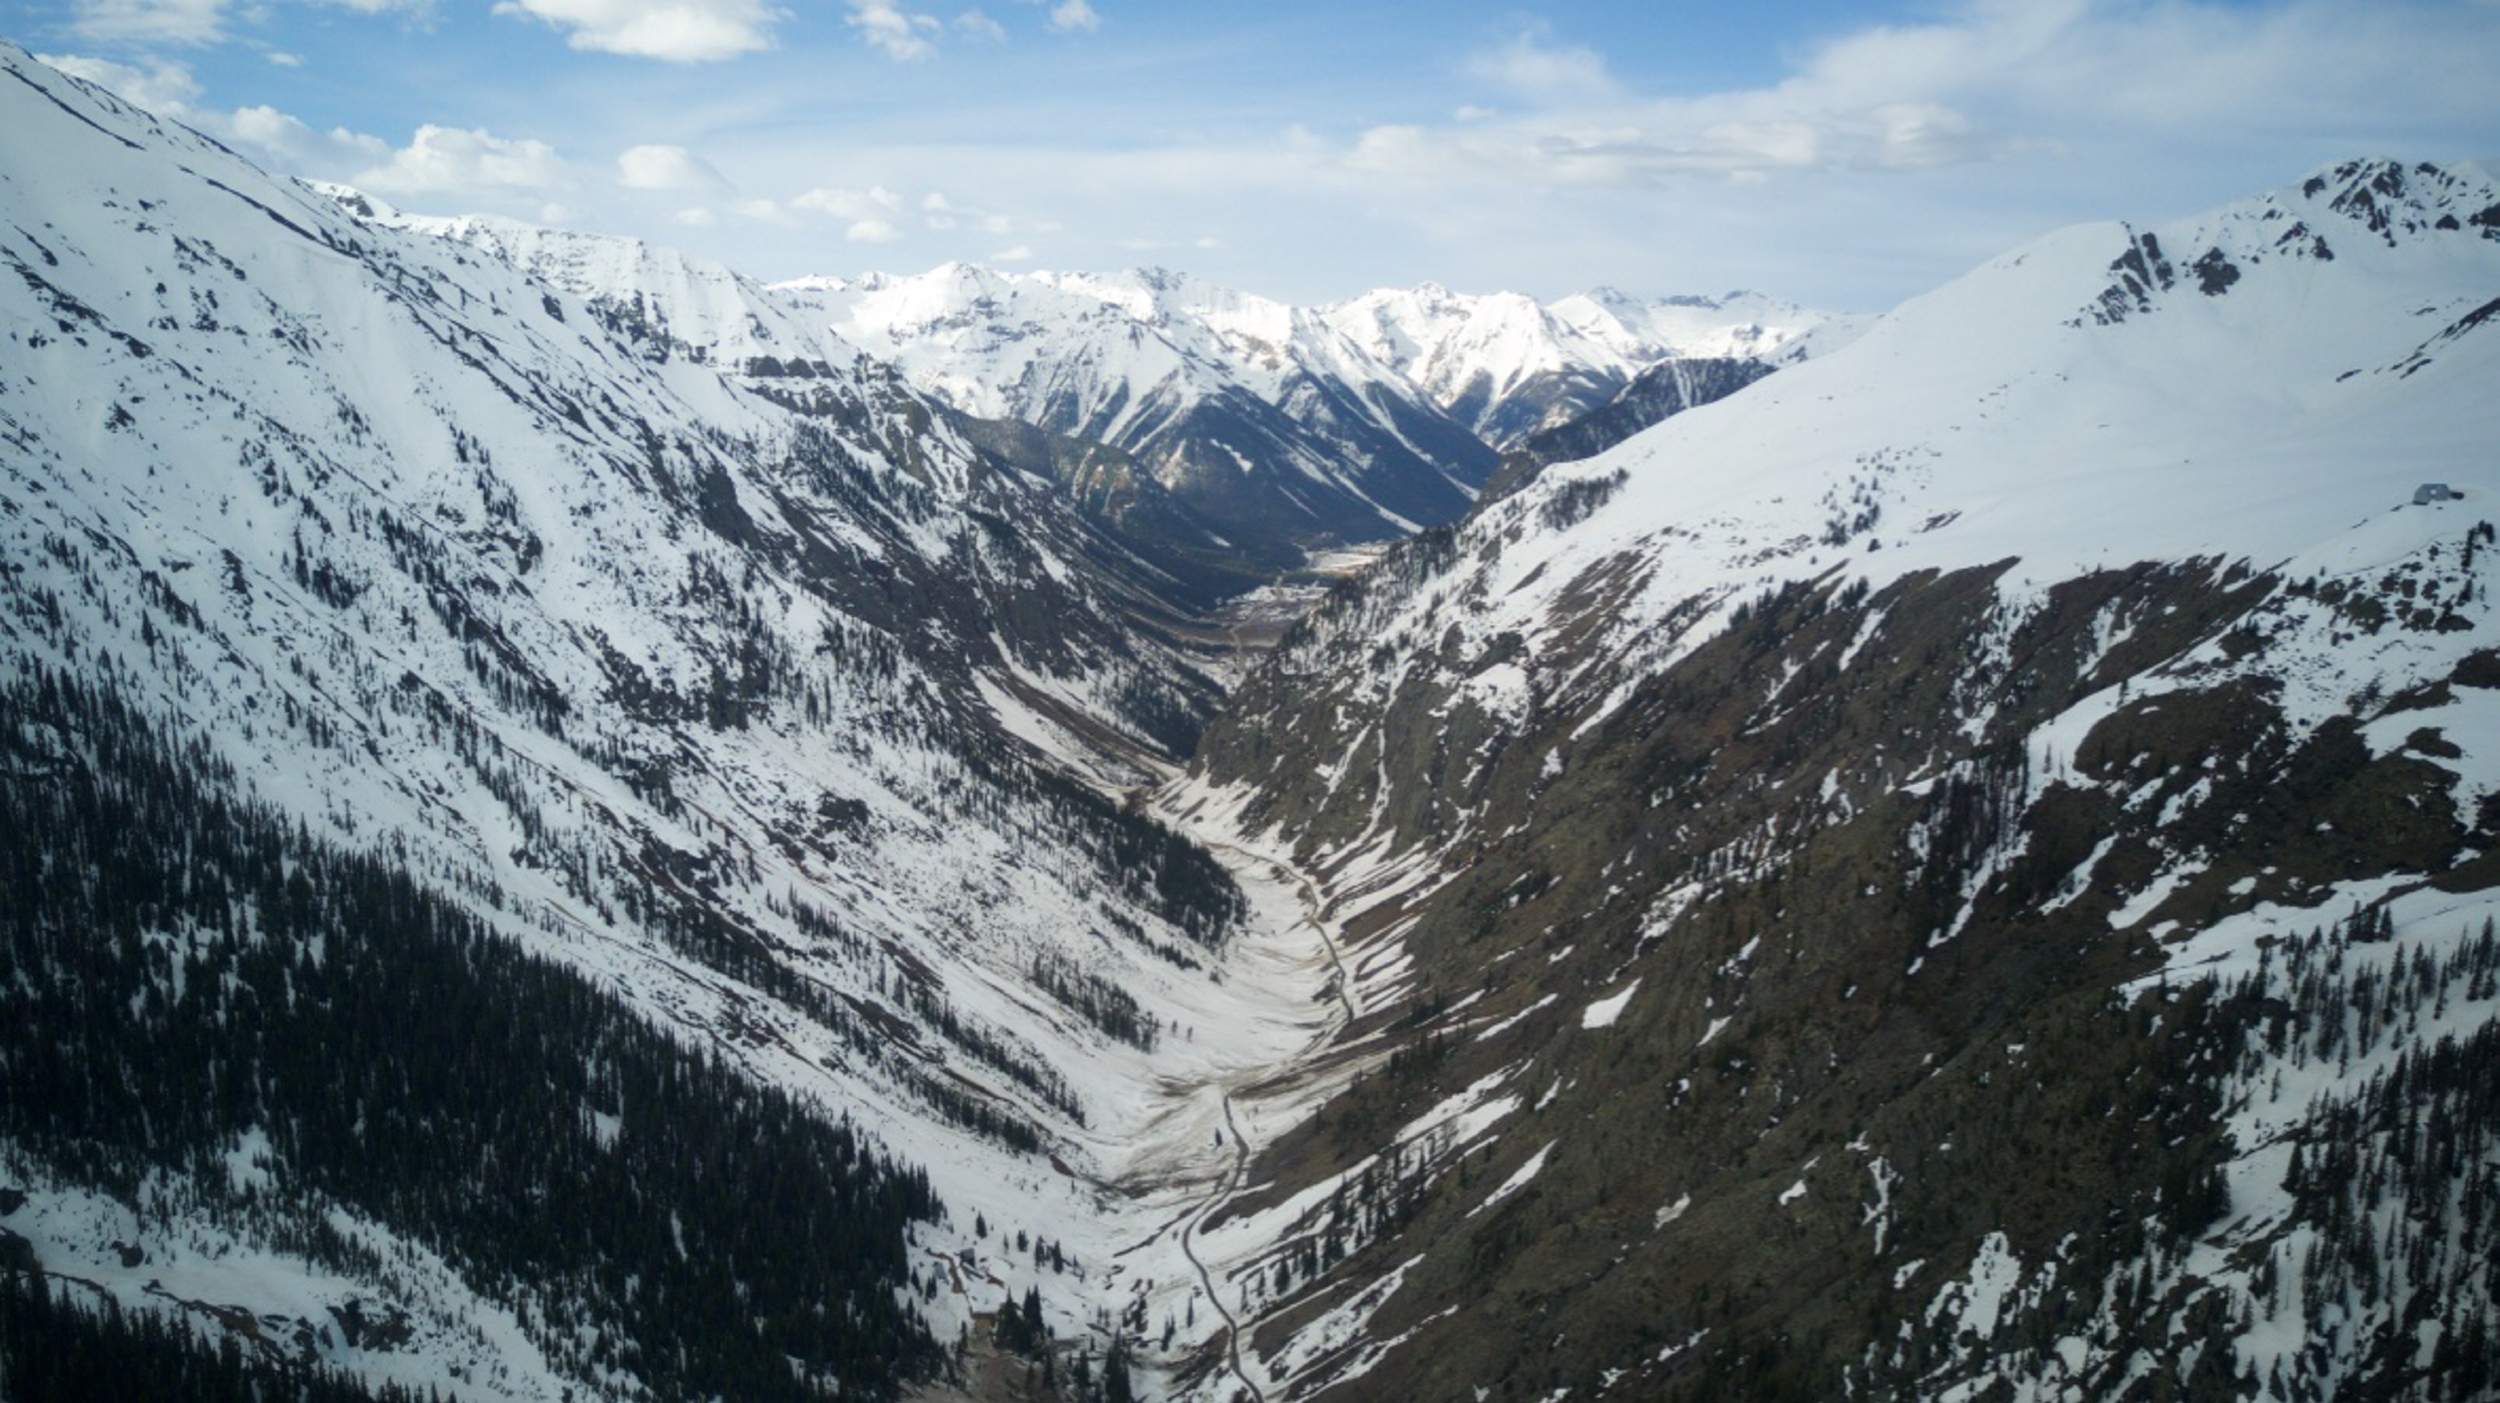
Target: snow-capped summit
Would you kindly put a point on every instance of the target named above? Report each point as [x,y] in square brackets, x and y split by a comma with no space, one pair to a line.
[1254,412]
[1359,420]
[673,303]
[1508,366]
[2371,205]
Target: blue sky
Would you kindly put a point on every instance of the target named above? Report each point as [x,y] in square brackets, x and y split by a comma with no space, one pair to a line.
[1842,154]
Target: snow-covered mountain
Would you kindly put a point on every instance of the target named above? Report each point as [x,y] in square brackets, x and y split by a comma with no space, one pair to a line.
[674,306]
[1967,869]
[575,832]
[1353,422]
[1254,413]
[559,837]
[1508,366]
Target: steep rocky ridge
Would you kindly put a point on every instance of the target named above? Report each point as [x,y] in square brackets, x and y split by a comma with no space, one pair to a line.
[1658,393]
[1884,883]
[675,307]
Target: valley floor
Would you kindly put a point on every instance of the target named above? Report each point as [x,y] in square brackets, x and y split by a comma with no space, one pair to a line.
[1171,1203]
[1253,1052]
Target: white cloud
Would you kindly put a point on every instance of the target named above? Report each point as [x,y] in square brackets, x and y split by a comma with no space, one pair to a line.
[299,146]
[1886,98]
[666,168]
[899,34]
[283,142]
[161,87]
[1069,16]
[1934,140]
[696,218]
[678,31]
[150,21]
[453,159]
[872,231]
[873,203]
[1986,80]
[268,127]
[1531,66]
[980,26]
[283,59]
[1016,253]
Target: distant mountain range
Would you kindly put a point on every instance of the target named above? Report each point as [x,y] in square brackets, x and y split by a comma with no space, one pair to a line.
[1221,434]
[1286,425]
[1508,366]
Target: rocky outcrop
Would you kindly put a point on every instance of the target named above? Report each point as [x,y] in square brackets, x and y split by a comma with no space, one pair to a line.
[1655,395]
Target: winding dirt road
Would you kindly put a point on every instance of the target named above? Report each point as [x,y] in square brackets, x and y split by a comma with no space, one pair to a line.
[1343,986]
[1232,1181]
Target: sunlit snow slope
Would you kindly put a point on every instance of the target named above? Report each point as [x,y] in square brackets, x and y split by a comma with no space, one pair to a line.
[681,646]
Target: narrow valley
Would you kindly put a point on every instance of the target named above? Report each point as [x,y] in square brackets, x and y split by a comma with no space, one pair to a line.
[586,824]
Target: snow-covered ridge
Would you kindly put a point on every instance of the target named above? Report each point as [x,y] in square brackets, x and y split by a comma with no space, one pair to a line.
[2249,383]
[1284,425]
[1259,413]
[1370,400]
[679,304]
[753,697]
[1509,366]
[1426,340]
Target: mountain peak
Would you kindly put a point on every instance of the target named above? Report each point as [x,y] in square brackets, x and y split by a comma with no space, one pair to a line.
[2390,197]
[2371,209]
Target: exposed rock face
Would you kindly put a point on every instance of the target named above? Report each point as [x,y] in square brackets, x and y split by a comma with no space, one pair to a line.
[1851,898]
[1191,564]
[1655,395]
[1893,986]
